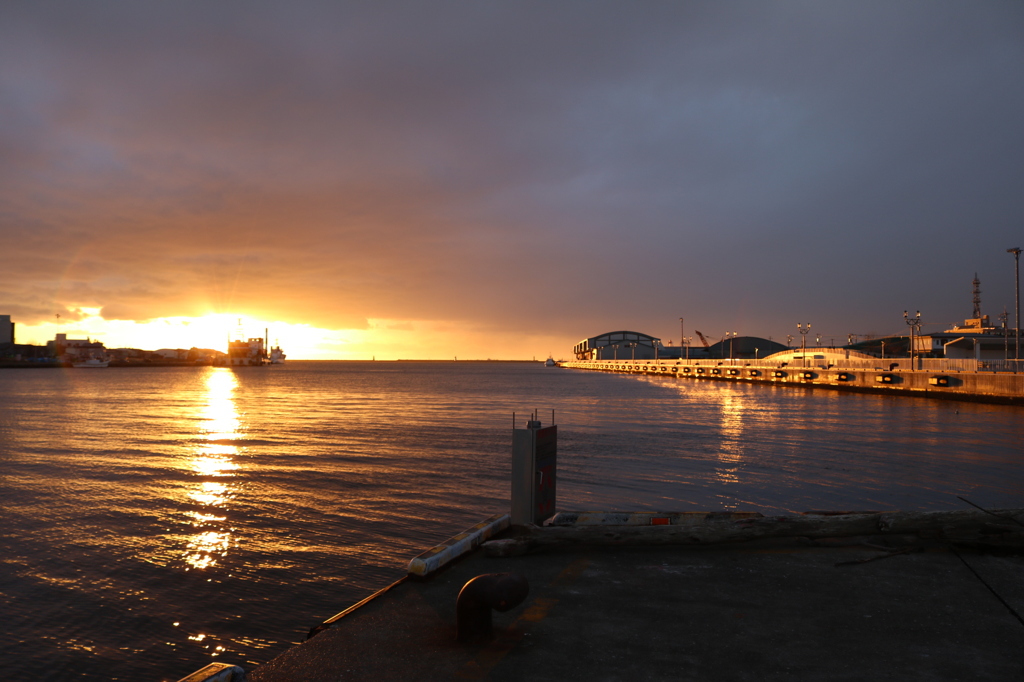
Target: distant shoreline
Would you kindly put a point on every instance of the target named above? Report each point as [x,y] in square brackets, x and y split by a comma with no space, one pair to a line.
[173,363]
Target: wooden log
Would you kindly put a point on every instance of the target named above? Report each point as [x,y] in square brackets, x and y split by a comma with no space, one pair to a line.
[933,524]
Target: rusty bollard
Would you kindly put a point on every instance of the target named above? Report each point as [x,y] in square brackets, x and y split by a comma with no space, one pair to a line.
[497,591]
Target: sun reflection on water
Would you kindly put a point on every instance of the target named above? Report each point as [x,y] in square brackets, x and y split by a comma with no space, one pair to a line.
[213,457]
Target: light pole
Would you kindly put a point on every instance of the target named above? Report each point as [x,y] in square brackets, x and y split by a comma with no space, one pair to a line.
[682,339]
[688,340]
[915,324]
[632,348]
[731,336]
[615,350]
[1016,297]
[804,330]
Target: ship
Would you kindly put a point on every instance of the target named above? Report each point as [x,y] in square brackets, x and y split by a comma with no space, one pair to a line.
[253,352]
[92,363]
[277,355]
[247,353]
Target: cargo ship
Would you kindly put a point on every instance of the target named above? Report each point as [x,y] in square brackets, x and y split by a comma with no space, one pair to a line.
[254,352]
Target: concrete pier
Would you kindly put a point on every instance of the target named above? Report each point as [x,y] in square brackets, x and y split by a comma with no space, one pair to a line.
[886,377]
[867,608]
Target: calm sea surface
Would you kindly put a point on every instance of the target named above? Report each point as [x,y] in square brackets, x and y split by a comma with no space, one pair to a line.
[154,520]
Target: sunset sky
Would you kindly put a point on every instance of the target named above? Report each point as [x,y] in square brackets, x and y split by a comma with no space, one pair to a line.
[502,179]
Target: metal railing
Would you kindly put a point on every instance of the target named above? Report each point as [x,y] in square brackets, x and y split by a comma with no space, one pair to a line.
[887,364]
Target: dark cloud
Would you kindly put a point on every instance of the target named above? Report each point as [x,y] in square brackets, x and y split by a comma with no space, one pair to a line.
[570,166]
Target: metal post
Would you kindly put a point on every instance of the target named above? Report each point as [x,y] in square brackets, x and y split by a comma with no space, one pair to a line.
[1006,336]
[914,323]
[1016,279]
[804,330]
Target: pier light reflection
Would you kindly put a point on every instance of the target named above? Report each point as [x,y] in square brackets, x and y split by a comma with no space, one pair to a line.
[730,453]
[213,461]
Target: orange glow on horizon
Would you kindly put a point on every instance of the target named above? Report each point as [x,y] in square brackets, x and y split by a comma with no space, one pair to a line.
[382,339]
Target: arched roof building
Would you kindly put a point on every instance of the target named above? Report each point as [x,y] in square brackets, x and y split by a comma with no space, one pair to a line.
[618,346]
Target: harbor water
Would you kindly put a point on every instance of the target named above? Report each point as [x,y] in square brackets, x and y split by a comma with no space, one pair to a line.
[154,520]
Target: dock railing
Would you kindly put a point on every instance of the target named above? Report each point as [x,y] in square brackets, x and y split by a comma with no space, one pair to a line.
[887,364]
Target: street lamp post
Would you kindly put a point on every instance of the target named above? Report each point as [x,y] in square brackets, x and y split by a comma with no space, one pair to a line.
[1016,298]
[915,324]
[731,336]
[804,330]
[615,351]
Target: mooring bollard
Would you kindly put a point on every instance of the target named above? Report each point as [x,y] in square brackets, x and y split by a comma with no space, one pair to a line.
[481,595]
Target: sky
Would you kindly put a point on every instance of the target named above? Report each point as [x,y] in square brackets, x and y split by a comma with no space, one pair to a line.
[494,179]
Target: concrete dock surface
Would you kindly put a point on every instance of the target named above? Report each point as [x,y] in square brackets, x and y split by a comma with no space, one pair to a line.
[765,610]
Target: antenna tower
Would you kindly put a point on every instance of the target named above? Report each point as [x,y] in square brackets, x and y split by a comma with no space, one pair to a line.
[977,297]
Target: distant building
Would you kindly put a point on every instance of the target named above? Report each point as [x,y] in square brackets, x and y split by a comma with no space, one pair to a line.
[627,345]
[76,349]
[6,330]
[819,356]
[622,345]
[19,352]
[205,356]
[975,339]
[740,348]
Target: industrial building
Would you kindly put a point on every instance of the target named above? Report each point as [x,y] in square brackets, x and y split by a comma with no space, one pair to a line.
[6,330]
[621,345]
[629,345]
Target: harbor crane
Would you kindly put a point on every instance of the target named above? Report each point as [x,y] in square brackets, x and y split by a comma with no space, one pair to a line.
[702,339]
